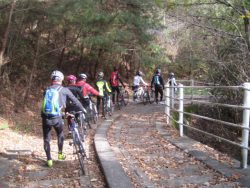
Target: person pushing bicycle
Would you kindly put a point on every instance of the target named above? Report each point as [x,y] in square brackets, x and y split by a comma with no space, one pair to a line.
[114,82]
[86,89]
[136,83]
[158,84]
[54,102]
[104,90]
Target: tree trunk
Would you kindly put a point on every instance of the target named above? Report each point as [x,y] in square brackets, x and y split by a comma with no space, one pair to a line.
[80,60]
[6,35]
[33,71]
[246,25]
[60,62]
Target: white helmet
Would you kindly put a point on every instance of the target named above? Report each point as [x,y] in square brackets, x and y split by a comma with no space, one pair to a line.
[83,76]
[57,76]
[100,74]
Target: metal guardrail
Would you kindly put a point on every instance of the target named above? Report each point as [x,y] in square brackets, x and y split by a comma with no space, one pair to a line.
[172,99]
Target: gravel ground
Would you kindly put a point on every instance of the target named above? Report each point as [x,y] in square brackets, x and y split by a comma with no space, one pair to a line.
[26,167]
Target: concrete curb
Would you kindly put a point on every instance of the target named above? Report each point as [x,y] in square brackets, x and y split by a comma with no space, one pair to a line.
[112,169]
[186,144]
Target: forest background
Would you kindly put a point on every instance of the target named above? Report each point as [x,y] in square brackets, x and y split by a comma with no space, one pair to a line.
[205,40]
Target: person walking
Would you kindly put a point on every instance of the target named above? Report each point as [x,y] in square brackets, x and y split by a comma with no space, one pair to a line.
[103,89]
[114,82]
[86,89]
[172,81]
[158,84]
[54,102]
[136,83]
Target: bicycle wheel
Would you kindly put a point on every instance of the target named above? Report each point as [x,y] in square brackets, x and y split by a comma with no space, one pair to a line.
[82,126]
[125,98]
[152,96]
[80,151]
[110,106]
[93,113]
[145,98]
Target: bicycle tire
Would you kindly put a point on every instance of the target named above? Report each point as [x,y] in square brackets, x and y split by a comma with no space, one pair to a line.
[81,155]
[82,127]
[95,113]
[119,102]
[144,98]
[152,96]
[126,98]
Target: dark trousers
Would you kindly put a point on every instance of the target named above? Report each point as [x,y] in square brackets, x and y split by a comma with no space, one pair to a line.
[158,89]
[57,124]
[115,89]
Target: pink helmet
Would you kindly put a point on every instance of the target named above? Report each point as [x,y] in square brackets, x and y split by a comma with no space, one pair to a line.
[71,78]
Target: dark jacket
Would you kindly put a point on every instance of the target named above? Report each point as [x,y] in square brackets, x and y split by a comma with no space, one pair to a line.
[157,80]
[70,105]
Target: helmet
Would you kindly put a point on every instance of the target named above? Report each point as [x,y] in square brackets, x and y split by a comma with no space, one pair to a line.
[171,74]
[158,71]
[83,76]
[71,78]
[139,73]
[100,74]
[57,76]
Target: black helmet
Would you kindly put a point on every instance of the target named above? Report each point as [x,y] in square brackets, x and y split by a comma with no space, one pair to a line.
[139,73]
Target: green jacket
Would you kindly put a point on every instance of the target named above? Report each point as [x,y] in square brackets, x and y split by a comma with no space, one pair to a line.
[103,87]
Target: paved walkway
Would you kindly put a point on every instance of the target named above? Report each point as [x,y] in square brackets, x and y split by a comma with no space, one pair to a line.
[136,149]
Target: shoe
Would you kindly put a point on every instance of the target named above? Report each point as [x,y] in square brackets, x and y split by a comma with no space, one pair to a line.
[50,163]
[61,156]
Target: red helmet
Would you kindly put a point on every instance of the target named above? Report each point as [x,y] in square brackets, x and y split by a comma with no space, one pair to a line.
[71,78]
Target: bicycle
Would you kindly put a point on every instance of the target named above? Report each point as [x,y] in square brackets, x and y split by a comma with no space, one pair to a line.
[146,95]
[78,140]
[108,106]
[81,120]
[142,94]
[123,98]
[92,111]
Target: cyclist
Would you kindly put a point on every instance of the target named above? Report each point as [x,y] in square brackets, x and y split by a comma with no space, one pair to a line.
[114,82]
[158,84]
[71,107]
[55,120]
[104,90]
[76,92]
[86,89]
[172,81]
[137,81]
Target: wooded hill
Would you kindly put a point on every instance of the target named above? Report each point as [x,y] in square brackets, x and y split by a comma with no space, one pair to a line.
[201,39]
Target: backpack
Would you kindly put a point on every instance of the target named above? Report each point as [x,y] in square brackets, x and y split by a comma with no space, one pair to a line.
[51,102]
[156,80]
[114,79]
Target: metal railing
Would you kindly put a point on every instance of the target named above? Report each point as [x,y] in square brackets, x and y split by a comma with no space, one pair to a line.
[174,98]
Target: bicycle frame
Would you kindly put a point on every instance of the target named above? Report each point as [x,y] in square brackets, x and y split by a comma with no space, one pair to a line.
[78,140]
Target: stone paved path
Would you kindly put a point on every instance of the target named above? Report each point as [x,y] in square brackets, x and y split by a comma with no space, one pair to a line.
[152,161]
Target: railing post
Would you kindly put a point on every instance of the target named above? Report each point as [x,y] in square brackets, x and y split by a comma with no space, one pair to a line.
[167,102]
[172,93]
[192,94]
[181,97]
[245,132]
